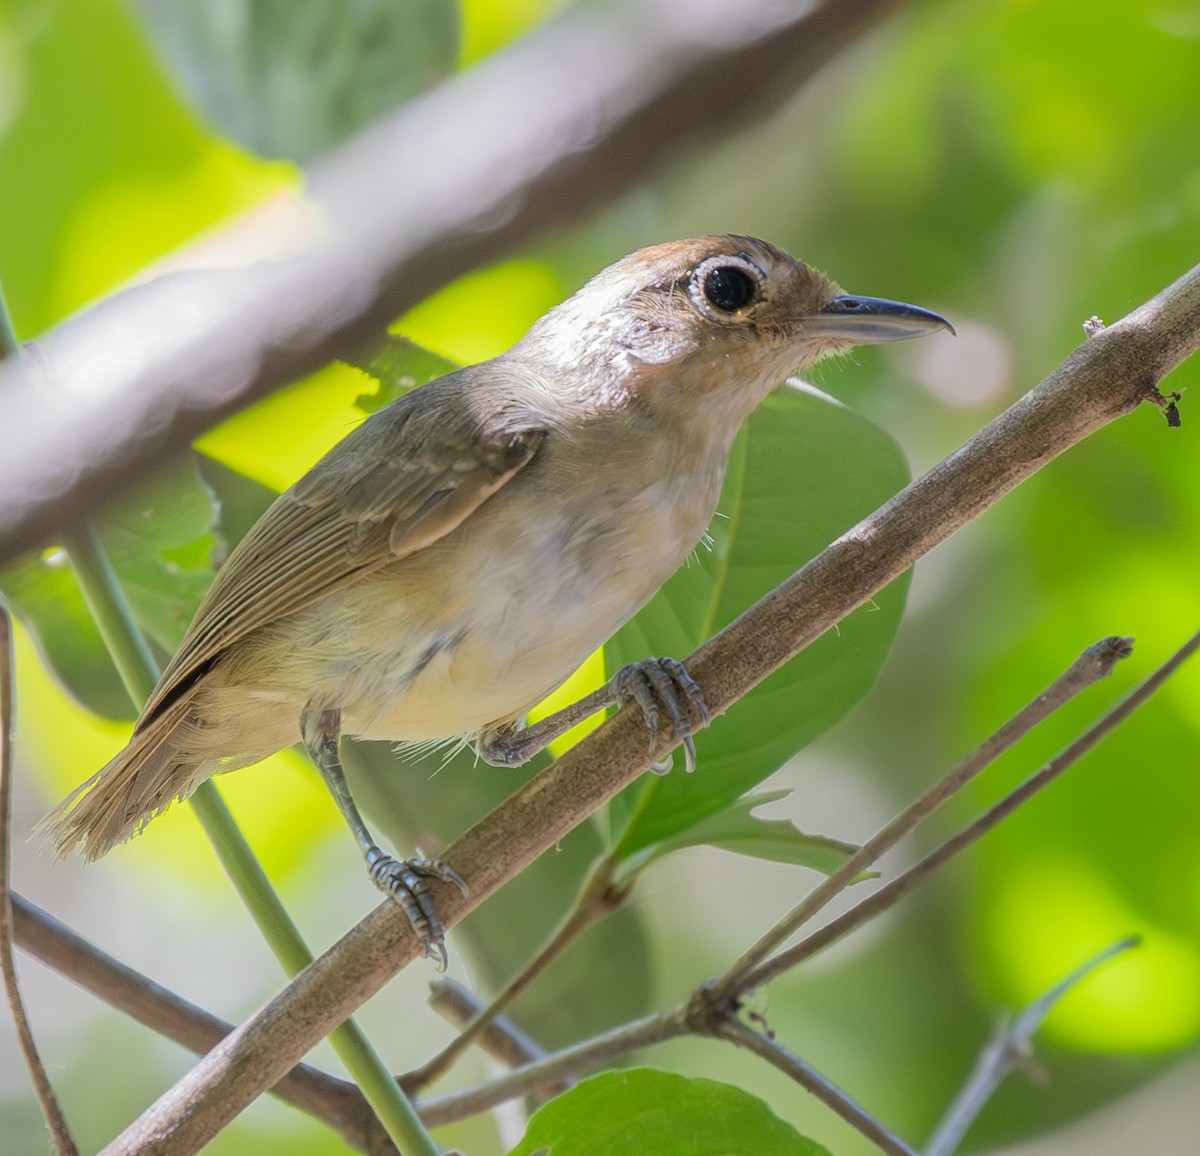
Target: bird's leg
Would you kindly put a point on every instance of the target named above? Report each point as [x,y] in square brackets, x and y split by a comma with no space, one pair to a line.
[404,880]
[645,684]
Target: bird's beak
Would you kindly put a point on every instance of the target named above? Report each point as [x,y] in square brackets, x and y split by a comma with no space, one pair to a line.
[867,320]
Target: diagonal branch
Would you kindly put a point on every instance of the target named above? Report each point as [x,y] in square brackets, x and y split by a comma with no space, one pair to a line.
[911,878]
[338,1103]
[711,1004]
[536,137]
[1108,376]
[1094,663]
[734,1031]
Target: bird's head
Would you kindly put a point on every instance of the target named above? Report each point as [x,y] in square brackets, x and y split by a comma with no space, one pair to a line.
[710,319]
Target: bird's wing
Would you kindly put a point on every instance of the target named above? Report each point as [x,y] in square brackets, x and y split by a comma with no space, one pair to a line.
[403,479]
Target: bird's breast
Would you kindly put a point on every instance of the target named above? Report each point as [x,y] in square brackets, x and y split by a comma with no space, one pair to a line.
[484,624]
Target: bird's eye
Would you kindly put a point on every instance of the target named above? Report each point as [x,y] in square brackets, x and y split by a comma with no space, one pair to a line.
[729,288]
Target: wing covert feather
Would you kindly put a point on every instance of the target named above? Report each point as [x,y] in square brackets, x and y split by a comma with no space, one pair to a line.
[400,481]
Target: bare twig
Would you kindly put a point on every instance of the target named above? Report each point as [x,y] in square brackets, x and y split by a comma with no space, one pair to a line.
[1010,1048]
[501,1038]
[905,882]
[1106,377]
[564,1064]
[337,1103]
[538,136]
[792,1066]
[715,1000]
[1094,663]
[596,899]
[51,1109]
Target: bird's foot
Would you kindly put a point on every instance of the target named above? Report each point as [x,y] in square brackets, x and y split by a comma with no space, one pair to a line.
[407,882]
[652,681]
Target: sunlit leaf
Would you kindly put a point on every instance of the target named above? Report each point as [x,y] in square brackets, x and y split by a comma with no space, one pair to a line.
[644,1110]
[486,312]
[278,439]
[398,365]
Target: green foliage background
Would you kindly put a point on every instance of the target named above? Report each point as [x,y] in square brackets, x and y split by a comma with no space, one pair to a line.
[1018,166]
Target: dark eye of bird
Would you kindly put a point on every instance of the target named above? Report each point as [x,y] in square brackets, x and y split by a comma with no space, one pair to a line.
[729,288]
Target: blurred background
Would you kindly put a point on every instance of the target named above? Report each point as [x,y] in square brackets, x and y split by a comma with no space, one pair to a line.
[1018,165]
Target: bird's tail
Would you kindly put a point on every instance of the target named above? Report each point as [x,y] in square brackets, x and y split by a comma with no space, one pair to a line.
[155,769]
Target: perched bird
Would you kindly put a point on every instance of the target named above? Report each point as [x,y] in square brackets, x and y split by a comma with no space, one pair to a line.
[457,556]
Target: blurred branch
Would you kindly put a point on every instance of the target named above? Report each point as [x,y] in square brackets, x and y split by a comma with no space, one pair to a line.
[1108,376]
[60,1134]
[535,137]
[1010,1048]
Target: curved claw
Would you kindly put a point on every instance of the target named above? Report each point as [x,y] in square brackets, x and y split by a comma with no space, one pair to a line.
[405,881]
[663,680]
[689,754]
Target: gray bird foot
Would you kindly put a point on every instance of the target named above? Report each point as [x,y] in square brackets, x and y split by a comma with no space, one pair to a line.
[406,881]
[652,681]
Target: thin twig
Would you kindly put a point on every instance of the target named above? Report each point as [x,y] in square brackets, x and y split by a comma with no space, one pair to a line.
[55,1120]
[337,1103]
[569,1062]
[736,1032]
[1095,663]
[10,350]
[502,1039]
[1010,1048]
[709,1003]
[893,891]
[596,899]
[1108,376]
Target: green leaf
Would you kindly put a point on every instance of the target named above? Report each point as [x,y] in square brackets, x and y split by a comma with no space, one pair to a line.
[44,595]
[399,365]
[290,78]
[160,541]
[736,829]
[803,470]
[644,1110]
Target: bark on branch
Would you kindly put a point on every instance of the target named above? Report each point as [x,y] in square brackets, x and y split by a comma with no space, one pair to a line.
[1108,376]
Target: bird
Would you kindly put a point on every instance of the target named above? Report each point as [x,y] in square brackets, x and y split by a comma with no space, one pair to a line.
[458,554]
